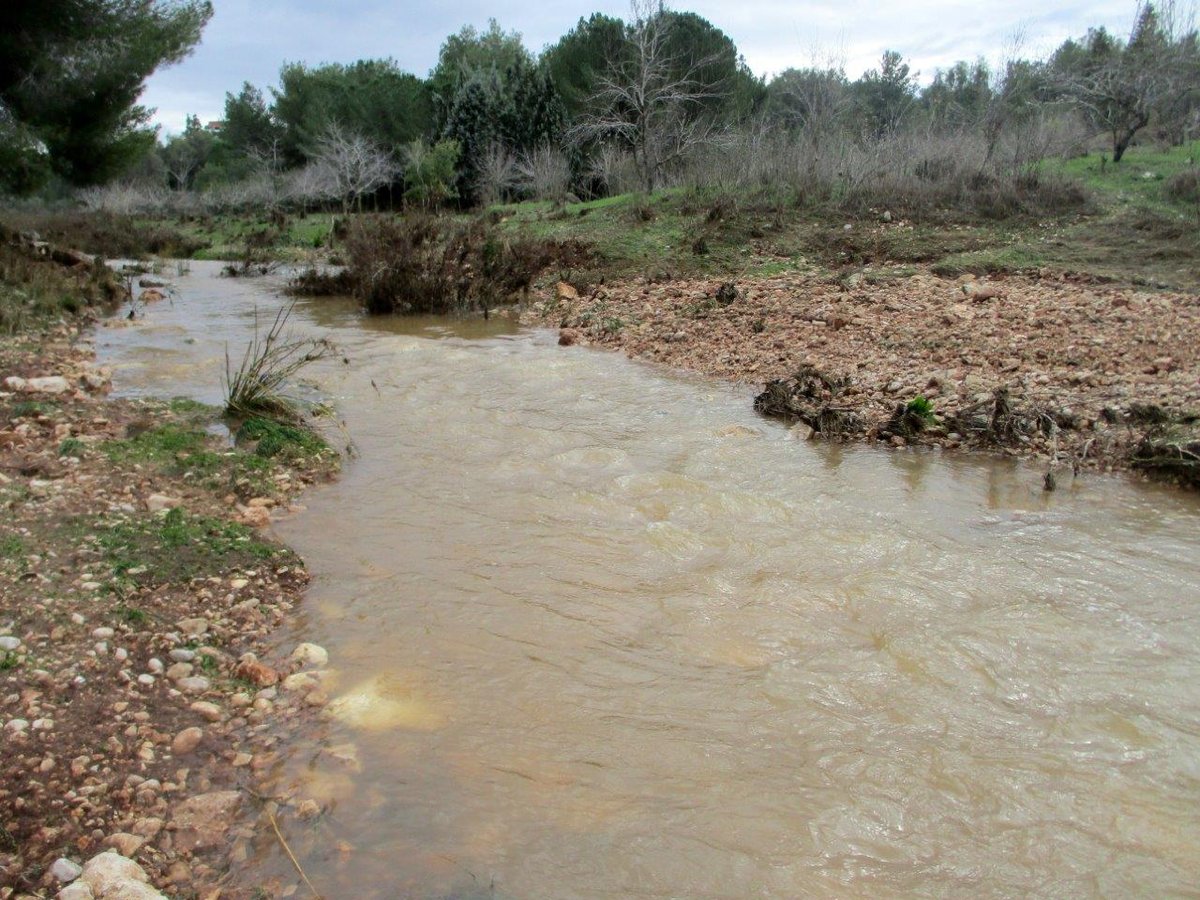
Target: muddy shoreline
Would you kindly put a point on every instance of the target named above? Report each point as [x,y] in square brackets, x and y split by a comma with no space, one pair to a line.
[1089,376]
[142,691]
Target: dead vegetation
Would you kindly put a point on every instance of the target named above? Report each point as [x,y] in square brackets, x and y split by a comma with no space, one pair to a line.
[434,264]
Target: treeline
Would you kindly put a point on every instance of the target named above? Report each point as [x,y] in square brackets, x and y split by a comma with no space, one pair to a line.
[663,99]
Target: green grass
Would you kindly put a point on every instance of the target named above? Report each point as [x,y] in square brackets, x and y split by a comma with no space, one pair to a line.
[11,547]
[1139,180]
[174,547]
[276,439]
[183,449]
[71,447]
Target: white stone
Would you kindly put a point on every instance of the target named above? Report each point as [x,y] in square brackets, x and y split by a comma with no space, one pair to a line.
[159,502]
[48,384]
[109,870]
[9,643]
[80,890]
[102,634]
[64,870]
[311,655]
[196,684]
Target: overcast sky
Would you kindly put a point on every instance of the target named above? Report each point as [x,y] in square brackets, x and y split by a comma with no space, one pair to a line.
[248,40]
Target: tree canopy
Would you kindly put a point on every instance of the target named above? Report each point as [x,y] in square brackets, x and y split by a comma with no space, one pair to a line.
[71,72]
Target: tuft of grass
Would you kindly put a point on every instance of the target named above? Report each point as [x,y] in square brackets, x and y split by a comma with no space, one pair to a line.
[256,388]
[11,547]
[176,546]
[71,447]
[922,407]
[279,439]
[131,615]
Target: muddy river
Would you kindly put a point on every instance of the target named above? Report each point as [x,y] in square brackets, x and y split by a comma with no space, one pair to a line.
[600,631]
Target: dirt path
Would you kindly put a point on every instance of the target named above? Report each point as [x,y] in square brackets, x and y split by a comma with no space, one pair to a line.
[138,587]
[1085,373]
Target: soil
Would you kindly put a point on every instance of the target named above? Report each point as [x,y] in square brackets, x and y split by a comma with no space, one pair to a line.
[1053,367]
[139,588]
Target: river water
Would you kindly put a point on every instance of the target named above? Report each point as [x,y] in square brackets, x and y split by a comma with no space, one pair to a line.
[600,631]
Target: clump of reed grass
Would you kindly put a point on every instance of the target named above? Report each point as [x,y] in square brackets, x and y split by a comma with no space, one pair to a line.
[257,387]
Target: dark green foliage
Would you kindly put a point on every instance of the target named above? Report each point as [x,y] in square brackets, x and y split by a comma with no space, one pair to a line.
[581,56]
[70,75]
[466,55]
[370,98]
[277,439]
[249,127]
[886,94]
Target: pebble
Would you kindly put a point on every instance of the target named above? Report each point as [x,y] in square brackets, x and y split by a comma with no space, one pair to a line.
[8,643]
[195,626]
[145,679]
[64,870]
[155,665]
[196,684]
[181,655]
[187,741]
[206,710]
[311,655]
[103,634]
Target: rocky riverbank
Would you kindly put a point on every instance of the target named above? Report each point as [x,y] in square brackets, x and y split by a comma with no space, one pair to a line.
[1076,374]
[142,694]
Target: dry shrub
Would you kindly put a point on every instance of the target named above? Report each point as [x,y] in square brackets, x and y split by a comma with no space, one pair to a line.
[1184,187]
[434,264]
[109,234]
[34,288]
[811,396]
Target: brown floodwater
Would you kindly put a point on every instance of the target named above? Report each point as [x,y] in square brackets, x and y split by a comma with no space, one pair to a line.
[597,630]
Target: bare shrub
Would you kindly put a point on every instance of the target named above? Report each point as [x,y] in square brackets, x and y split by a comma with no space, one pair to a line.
[544,174]
[257,387]
[434,264]
[497,177]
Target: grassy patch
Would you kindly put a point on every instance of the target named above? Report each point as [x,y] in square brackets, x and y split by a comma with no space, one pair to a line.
[11,547]
[275,439]
[174,547]
[184,449]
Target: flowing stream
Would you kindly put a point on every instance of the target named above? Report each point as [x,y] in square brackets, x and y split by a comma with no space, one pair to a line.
[600,631]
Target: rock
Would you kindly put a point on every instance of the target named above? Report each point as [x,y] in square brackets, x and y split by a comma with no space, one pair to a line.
[182,655]
[256,673]
[196,684]
[48,384]
[124,843]
[160,502]
[254,516]
[204,821]
[64,870]
[195,626]
[206,710]
[801,432]
[110,871]
[568,337]
[80,890]
[887,216]
[15,383]
[8,643]
[102,634]
[980,292]
[310,655]
[148,828]
[307,810]
[152,295]
[179,670]
[564,291]
[151,283]
[187,741]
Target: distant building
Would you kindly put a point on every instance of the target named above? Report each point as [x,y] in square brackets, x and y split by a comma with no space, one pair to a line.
[215,126]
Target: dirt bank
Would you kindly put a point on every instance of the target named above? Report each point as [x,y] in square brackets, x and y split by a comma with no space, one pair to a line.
[1074,373]
[138,588]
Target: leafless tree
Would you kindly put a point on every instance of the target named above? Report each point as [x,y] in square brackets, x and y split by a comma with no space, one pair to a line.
[1120,87]
[544,173]
[651,99]
[352,165]
[497,175]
